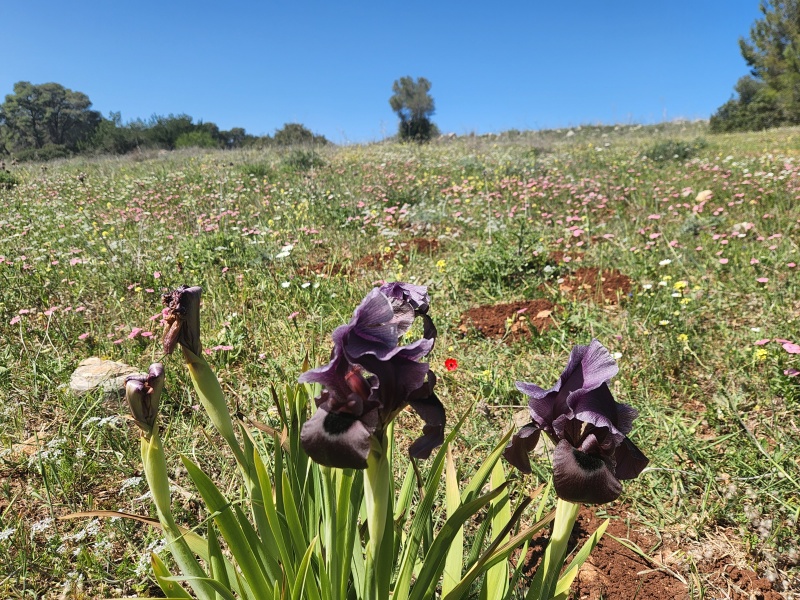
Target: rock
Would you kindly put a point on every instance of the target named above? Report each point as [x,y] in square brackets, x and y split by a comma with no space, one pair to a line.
[95,373]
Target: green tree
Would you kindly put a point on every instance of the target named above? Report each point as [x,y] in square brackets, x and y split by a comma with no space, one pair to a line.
[773,54]
[49,114]
[294,134]
[755,108]
[414,106]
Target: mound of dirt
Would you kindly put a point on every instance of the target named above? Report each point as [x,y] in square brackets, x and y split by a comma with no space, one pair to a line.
[513,321]
[590,283]
[614,571]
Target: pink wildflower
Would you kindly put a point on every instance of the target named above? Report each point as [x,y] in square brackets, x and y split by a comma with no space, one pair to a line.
[792,348]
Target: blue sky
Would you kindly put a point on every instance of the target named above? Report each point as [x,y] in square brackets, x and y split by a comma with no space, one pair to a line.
[330,65]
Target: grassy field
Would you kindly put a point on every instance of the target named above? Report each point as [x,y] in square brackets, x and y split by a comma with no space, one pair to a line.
[700,233]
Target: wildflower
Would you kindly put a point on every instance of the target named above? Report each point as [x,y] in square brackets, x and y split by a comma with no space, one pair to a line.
[683,338]
[371,378]
[143,393]
[451,364]
[182,317]
[760,354]
[588,426]
[762,279]
[663,322]
[665,262]
[791,347]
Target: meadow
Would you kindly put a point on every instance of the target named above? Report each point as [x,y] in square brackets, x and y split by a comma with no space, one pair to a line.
[676,248]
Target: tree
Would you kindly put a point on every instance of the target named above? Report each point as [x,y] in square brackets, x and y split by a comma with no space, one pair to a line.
[773,53]
[755,108]
[49,114]
[292,134]
[414,106]
[770,96]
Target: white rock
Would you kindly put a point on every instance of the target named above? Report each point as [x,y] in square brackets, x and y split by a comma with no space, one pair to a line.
[95,373]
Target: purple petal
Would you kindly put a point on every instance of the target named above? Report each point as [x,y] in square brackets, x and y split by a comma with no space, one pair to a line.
[630,460]
[336,440]
[545,405]
[415,295]
[371,329]
[585,478]
[431,411]
[598,407]
[588,368]
[522,442]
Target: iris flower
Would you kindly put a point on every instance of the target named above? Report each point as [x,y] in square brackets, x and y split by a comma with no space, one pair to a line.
[588,427]
[371,377]
[143,393]
[182,318]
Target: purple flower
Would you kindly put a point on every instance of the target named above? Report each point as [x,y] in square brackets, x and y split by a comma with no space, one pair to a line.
[370,379]
[588,427]
[143,393]
[182,317]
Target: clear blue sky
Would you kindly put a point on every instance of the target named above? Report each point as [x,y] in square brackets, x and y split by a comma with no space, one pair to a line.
[330,65]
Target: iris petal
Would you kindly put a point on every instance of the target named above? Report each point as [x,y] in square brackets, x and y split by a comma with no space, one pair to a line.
[431,411]
[336,440]
[630,460]
[580,477]
[520,445]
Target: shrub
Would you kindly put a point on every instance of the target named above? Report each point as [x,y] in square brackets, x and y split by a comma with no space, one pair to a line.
[680,150]
[8,180]
[303,160]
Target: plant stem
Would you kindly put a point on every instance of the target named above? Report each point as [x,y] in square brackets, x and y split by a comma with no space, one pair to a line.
[155,469]
[379,496]
[547,576]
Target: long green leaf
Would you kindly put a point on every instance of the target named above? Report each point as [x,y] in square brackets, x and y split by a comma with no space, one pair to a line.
[273,519]
[563,585]
[221,589]
[302,572]
[230,529]
[216,562]
[433,564]
[496,582]
[422,517]
[163,577]
[493,554]
[478,480]
[454,562]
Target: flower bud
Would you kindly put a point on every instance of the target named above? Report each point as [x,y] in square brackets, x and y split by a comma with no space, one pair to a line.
[143,393]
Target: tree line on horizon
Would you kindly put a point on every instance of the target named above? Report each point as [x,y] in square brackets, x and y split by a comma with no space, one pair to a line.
[769,96]
[47,121]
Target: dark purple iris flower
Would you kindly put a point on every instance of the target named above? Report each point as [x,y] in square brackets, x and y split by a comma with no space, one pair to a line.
[588,427]
[182,318]
[143,393]
[371,378]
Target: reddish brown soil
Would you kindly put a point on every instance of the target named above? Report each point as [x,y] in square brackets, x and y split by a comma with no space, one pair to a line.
[615,572]
[559,257]
[375,261]
[526,316]
[590,283]
[424,245]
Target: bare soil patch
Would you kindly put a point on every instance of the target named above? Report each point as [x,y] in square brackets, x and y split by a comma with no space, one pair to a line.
[560,257]
[513,321]
[607,286]
[614,571]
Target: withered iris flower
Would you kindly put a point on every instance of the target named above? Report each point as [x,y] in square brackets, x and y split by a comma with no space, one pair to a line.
[588,427]
[143,393]
[372,377]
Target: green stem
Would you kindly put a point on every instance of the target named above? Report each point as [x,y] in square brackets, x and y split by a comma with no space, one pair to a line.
[155,469]
[379,496]
[566,514]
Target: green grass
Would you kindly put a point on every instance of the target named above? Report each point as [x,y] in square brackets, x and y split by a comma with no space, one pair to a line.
[88,246]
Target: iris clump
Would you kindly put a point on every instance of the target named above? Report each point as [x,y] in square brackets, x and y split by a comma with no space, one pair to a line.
[371,377]
[588,427]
